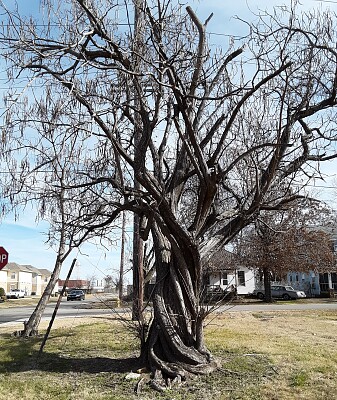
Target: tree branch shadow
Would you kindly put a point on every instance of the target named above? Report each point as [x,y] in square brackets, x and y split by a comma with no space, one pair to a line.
[23,356]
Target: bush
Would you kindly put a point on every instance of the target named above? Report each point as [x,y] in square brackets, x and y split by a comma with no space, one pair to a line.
[2,294]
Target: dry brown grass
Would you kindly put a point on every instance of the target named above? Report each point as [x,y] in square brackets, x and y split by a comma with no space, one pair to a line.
[264,355]
[301,346]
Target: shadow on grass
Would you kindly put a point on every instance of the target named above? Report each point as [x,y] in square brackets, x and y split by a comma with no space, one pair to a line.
[23,355]
[56,363]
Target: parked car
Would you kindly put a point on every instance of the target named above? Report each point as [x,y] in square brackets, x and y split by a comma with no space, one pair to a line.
[281,292]
[15,294]
[76,294]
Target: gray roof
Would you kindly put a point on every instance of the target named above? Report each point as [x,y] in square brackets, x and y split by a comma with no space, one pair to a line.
[16,267]
[32,269]
[44,271]
[221,260]
[12,266]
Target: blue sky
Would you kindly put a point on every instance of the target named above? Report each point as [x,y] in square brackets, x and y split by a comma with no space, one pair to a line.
[25,239]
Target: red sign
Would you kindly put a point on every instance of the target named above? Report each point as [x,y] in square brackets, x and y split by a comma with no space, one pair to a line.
[3,257]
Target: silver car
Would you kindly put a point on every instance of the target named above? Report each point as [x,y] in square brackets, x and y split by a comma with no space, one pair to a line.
[282,292]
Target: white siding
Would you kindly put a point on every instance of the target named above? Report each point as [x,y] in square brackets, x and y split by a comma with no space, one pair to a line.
[243,279]
[38,285]
[3,280]
[25,282]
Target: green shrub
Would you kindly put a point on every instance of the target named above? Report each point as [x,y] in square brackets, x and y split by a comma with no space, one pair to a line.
[2,294]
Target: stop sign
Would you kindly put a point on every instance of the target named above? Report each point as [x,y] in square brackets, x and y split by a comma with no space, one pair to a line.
[3,257]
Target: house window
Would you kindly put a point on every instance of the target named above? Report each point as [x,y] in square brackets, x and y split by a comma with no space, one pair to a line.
[241,278]
[224,278]
[290,278]
[13,276]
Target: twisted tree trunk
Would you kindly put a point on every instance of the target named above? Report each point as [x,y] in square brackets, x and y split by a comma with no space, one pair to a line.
[175,347]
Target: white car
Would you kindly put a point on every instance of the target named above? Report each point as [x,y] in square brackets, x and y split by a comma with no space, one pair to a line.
[15,294]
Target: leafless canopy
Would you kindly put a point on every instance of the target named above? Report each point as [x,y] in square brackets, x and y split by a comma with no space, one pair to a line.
[211,136]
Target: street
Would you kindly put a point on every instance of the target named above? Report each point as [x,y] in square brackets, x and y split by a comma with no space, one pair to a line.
[82,309]
[67,309]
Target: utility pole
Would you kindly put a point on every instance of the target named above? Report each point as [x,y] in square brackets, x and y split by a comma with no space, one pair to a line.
[121,266]
[138,273]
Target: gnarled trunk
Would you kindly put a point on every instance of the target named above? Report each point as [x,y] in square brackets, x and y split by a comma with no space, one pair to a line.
[175,346]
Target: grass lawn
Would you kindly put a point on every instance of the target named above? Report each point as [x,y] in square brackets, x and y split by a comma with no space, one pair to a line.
[264,356]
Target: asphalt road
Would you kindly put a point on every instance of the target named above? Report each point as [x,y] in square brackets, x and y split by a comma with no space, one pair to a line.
[82,309]
[67,309]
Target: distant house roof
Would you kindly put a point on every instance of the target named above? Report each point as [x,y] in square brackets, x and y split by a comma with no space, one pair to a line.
[45,272]
[75,283]
[16,267]
[32,269]
[220,261]
[12,266]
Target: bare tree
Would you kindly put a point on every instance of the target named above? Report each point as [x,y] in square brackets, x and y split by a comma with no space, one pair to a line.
[293,239]
[91,283]
[108,282]
[223,134]
[59,207]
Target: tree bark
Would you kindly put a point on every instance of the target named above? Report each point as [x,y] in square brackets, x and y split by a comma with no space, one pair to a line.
[174,347]
[31,326]
[138,272]
[138,275]
[267,285]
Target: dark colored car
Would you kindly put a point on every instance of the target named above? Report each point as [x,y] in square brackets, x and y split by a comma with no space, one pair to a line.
[76,294]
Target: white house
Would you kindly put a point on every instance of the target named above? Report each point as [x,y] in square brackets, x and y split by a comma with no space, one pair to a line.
[221,271]
[18,277]
[24,277]
[241,279]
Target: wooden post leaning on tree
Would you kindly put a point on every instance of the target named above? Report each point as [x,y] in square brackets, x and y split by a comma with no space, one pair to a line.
[57,307]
